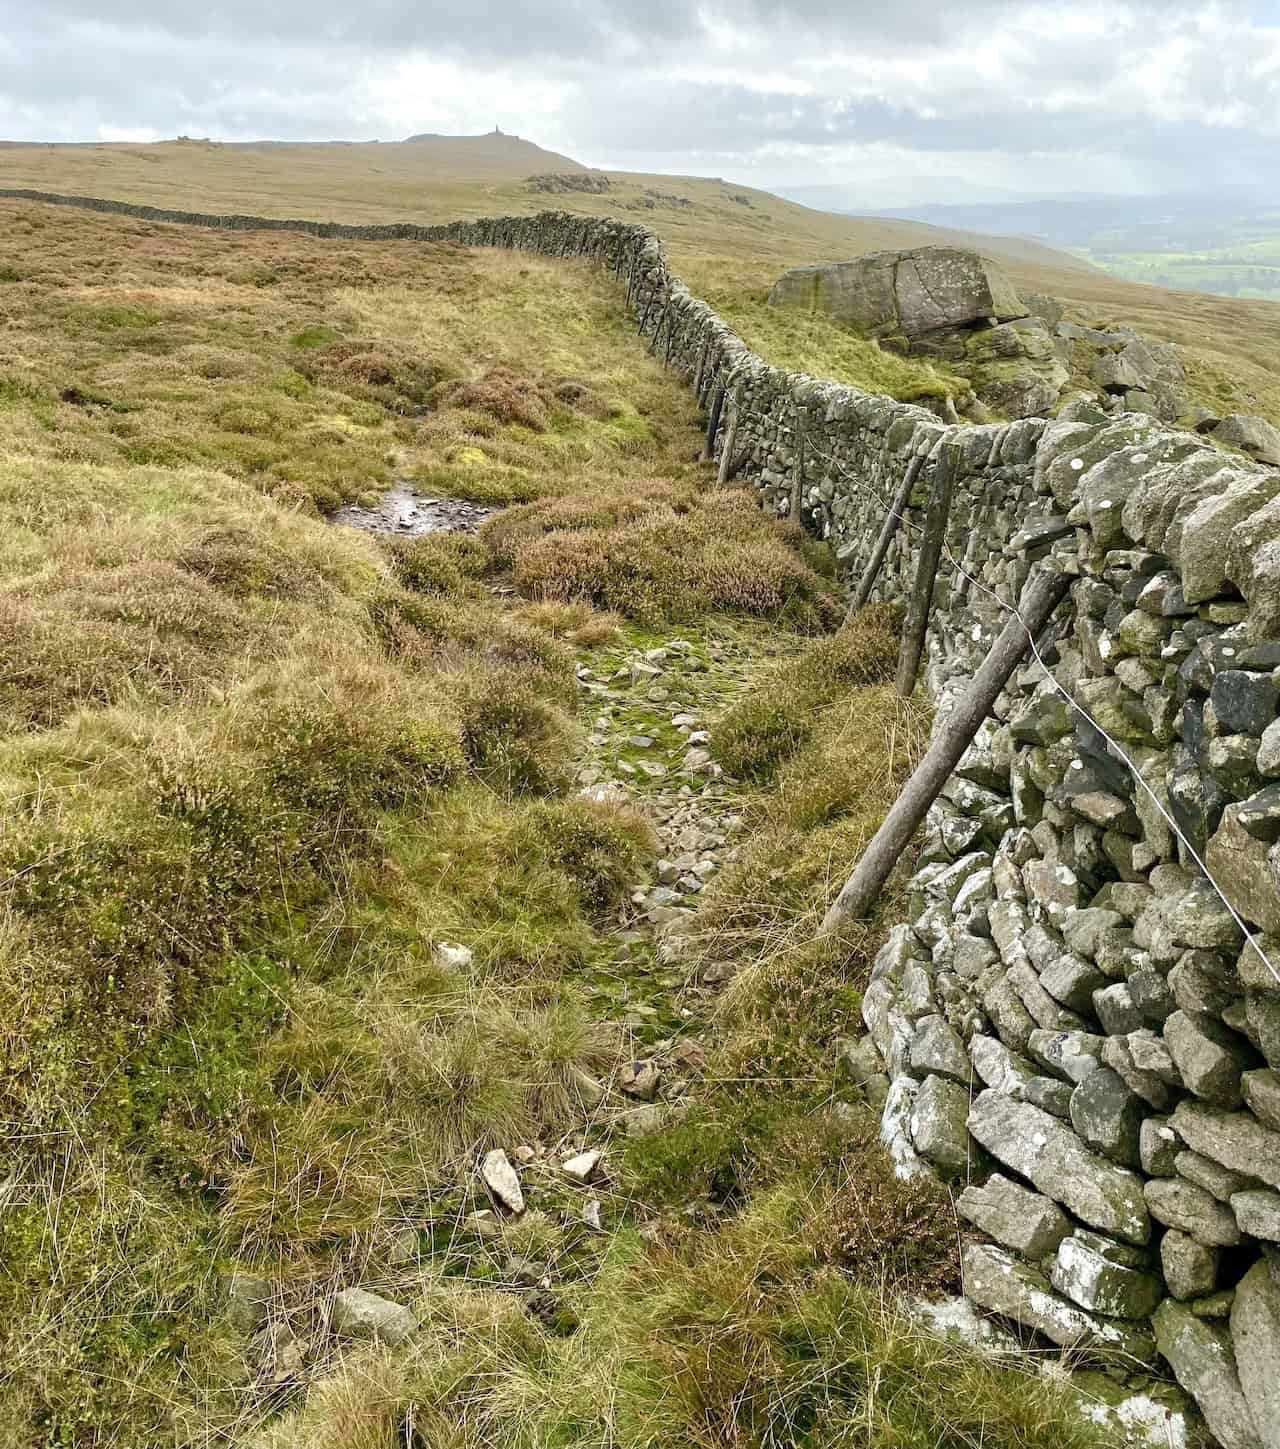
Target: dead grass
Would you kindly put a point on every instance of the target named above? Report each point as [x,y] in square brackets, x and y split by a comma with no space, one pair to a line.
[658,552]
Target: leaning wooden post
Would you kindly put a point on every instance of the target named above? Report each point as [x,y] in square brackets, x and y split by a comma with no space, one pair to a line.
[887,530]
[1044,592]
[713,424]
[702,363]
[725,471]
[657,330]
[935,532]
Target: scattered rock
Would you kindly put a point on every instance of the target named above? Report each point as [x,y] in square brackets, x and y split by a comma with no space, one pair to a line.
[502,1181]
[452,955]
[357,1313]
[582,1167]
[640,1080]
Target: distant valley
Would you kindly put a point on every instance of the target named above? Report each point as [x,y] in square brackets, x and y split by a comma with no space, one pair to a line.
[1228,244]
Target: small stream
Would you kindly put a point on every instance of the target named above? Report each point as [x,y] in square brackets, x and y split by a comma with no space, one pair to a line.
[403,513]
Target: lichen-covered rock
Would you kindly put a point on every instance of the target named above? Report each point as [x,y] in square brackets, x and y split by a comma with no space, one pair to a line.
[1158,1147]
[1071,1055]
[1107,1115]
[1255,1338]
[1025,1221]
[1261,1091]
[1190,1267]
[1038,1147]
[1003,1284]
[1180,1204]
[1247,871]
[938,1129]
[1235,1139]
[1252,435]
[1257,1212]
[1089,1277]
[1203,1360]
[936,1049]
[1209,1058]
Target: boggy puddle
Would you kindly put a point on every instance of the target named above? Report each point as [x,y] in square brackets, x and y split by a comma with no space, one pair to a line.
[402,513]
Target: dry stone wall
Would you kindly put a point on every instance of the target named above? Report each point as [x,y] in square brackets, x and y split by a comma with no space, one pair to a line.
[1075,1024]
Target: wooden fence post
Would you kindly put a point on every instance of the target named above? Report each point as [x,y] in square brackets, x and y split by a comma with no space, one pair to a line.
[935,531]
[888,528]
[702,362]
[725,471]
[1045,590]
[713,424]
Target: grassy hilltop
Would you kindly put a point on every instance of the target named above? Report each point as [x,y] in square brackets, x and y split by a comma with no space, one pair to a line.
[728,242]
[303,910]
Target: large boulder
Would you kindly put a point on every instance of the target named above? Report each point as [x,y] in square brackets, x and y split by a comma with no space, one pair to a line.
[910,293]
[944,303]
[1251,435]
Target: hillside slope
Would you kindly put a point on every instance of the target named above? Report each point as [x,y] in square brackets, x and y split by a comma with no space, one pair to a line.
[445,178]
[729,242]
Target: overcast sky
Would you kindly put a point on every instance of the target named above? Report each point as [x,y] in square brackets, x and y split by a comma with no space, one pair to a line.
[1123,95]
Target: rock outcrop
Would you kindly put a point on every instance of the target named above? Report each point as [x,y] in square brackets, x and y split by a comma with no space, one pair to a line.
[941,302]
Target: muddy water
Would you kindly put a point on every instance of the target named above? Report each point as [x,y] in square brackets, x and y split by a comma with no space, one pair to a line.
[402,513]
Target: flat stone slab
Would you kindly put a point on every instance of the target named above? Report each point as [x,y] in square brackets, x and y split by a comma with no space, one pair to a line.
[1050,1155]
[1203,1360]
[1235,1139]
[1003,1284]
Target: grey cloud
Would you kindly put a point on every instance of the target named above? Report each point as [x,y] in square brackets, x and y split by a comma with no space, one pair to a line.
[626,78]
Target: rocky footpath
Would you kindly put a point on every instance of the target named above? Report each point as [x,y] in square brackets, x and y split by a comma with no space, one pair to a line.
[649,745]
[533,1217]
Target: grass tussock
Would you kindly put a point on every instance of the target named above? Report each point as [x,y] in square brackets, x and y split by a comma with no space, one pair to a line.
[742,1340]
[659,552]
[766,729]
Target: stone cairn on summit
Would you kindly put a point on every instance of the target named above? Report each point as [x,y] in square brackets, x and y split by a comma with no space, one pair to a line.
[1076,1025]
